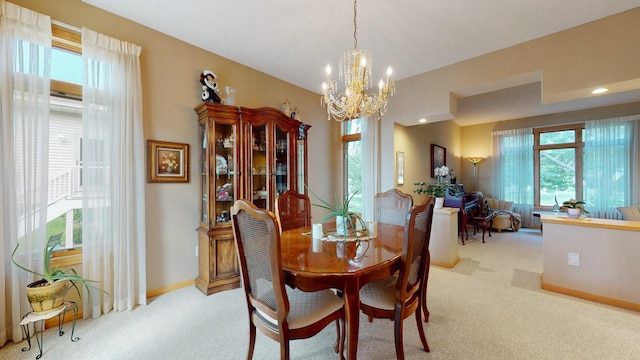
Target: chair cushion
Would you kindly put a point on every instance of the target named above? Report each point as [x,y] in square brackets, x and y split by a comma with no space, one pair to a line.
[630,212]
[380,294]
[306,308]
[500,204]
[504,219]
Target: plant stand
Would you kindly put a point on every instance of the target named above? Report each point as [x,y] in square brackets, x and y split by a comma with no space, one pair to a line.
[37,318]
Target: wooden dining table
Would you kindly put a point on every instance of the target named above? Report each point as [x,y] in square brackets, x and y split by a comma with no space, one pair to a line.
[313,264]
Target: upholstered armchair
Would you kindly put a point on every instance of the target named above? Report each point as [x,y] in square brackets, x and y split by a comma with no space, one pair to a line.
[630,212]
[504,216]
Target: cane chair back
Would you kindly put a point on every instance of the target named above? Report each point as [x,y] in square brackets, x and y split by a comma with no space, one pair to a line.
[293,210]
[400,296]
[279,312]
[392,207]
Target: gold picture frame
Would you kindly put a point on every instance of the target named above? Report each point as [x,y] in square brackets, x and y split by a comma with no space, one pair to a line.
[167,162]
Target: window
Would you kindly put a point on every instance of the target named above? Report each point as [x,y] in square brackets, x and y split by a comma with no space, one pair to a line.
[558,164]
[66,62]
[352,152]
[64,209]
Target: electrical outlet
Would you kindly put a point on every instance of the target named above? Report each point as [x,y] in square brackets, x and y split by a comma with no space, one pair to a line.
[196,250]
[574,259]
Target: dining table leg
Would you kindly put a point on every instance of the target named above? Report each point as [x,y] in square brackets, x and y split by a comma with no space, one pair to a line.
[352,315]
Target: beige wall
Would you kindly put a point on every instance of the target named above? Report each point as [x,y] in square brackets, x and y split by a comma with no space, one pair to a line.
[569,64]
[472,141]
[415,142]
[171,89]
[608,269]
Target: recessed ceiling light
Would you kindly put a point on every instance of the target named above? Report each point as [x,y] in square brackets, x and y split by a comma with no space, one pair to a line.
[422,121]
[600,91]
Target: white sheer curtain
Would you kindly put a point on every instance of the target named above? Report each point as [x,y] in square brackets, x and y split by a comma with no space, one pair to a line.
[611,165]
[25,51]
[512,170]
[113,225]
[370,137]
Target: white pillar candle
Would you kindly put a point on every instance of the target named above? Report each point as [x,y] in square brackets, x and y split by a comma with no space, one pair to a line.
[317,231]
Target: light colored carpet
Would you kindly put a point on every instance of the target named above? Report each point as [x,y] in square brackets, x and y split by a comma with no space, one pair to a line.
[489,306]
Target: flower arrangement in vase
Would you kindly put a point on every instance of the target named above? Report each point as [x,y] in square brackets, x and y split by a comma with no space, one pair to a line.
[575,208]
[441,172]
[169,163]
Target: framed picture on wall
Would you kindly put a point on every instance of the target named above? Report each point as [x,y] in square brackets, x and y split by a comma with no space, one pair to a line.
[167,161]
[400,167]
[438,157]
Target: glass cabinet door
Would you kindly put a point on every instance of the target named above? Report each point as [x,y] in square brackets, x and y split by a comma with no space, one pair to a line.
[281,161]
[259,166]
[204,173]
[300,160]
[223,179]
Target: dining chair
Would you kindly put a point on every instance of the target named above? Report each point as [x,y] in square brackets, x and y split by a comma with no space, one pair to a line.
[293,210]
[398,297]
[278,311]
[392,207]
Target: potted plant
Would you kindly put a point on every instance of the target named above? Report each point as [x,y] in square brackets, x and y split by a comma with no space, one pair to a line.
[346,221]
[575,208]
[49,292]
[437,190]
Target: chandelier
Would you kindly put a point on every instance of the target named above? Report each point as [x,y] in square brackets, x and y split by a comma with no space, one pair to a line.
[355,70]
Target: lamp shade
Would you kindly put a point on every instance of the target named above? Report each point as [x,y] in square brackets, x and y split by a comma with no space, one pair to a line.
[475,159]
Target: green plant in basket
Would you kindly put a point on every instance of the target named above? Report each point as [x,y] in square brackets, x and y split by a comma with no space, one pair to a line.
[53,275]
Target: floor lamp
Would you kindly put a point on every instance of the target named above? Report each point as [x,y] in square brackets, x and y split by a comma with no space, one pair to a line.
[475,161]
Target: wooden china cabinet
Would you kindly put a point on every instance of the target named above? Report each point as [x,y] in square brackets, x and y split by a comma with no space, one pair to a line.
[252,154]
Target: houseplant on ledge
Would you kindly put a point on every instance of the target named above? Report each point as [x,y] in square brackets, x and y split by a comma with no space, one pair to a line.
[48,293]
[575,208]
[437,190]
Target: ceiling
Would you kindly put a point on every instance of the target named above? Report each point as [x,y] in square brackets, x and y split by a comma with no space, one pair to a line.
[293,40]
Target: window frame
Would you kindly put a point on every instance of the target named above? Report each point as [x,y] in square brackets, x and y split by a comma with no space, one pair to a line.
[346,139]
[578,145]
[64,38]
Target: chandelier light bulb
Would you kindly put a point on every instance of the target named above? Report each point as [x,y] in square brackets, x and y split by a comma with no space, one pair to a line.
[328,69]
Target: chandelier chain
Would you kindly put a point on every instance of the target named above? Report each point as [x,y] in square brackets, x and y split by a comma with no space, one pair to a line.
[355,25]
